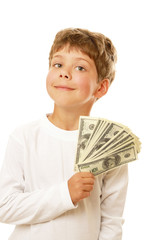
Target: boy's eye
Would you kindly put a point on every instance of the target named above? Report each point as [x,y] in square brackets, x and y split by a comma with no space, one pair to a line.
[79,68]
[57,65]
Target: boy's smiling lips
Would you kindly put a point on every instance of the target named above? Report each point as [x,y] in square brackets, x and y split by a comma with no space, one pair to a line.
[63,87]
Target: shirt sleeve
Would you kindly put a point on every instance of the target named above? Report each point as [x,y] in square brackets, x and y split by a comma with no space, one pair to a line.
[19,207]
[113,199]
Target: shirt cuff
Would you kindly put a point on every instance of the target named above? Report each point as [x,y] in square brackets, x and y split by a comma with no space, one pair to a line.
[65,195]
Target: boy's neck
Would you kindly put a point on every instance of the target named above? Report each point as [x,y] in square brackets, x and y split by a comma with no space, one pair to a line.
[66,119]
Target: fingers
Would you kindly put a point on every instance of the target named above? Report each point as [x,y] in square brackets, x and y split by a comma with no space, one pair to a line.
[88,181]
[80,185]
[88,188]
[85,175]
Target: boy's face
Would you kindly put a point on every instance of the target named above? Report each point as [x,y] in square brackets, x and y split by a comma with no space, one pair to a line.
[72,80]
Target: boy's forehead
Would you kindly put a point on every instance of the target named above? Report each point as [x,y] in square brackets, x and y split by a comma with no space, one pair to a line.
[70,49]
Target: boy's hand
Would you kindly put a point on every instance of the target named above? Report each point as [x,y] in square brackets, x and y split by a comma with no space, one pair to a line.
[80,185]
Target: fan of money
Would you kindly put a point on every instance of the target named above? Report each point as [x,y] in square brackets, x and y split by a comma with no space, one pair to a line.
[104,145]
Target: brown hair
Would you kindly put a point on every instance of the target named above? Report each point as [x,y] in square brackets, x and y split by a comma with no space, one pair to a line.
[97,46]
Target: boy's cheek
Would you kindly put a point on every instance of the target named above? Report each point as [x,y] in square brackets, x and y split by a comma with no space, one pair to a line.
[86,86]
[49,79]
[83,83]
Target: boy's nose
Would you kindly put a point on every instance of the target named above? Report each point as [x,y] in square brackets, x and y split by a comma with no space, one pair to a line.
[64,75]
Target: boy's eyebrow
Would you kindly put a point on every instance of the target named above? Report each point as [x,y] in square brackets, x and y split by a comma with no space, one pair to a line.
[78,58]
[57,56]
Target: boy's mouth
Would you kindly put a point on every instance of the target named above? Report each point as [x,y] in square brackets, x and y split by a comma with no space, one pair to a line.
[65,88]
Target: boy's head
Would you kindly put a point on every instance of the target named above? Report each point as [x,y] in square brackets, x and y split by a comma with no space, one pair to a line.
[95,45]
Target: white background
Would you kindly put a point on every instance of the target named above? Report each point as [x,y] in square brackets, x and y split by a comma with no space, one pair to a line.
[27,31]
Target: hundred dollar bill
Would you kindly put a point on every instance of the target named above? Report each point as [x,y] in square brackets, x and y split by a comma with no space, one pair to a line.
[96,132]
[109,134]
[113,151]
[86,127]
[100,138]
[110,162]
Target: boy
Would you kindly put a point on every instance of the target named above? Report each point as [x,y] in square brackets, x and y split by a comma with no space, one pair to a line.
[39,191]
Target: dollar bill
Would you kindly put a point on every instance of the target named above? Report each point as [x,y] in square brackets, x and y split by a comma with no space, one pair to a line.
[101,140]
[109,162]
[86,128]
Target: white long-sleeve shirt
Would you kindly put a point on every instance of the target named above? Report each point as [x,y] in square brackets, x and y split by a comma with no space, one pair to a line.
[34,193]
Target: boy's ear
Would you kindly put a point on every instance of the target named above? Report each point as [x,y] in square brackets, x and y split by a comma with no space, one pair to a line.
[102,88]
